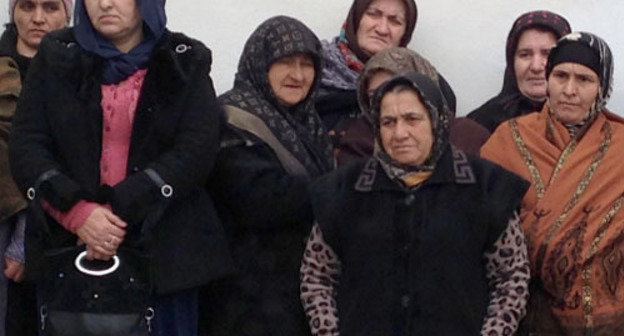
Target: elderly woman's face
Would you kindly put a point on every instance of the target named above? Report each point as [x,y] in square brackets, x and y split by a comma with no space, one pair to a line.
[382,26]
[35,18]
[530,62]
[405,127]
[291,77]
[572,89]
[118,21]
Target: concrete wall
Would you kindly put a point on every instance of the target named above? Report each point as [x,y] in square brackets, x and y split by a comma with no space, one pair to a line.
[465,40]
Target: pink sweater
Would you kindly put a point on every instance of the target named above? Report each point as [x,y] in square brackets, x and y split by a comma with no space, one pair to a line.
[119,103]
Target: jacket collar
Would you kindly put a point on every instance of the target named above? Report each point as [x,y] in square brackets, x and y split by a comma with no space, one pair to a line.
[453,167]
[8,43]
[166,62]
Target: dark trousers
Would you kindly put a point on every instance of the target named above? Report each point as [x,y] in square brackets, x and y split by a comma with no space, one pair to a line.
[22,316]
[176,314]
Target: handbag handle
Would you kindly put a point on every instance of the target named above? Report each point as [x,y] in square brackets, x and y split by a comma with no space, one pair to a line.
[98,273]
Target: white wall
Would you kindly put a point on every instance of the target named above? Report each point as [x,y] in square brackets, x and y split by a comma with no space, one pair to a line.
[465,40]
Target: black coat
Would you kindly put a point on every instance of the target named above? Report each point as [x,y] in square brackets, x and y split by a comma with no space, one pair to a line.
[58,125]
[268,217]
[412,259]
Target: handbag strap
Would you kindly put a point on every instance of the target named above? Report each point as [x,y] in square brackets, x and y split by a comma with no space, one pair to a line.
[166,191]
[256,126]
[33,196]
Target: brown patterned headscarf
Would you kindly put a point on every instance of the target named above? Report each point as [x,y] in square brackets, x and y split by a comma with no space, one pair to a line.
[396,61]
[298,127]
[359,7]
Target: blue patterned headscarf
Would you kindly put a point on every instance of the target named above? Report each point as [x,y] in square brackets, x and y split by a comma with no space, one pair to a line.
[118,65]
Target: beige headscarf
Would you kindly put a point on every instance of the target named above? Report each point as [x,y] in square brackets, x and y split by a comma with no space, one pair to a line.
[397,61]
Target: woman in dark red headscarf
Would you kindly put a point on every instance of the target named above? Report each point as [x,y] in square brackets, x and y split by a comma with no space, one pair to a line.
[371,26]
[524,86]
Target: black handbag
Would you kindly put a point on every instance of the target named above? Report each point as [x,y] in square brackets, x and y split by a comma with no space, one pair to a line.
[95,298]
[82,297]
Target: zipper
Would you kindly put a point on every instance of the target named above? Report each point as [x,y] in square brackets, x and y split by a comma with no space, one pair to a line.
[149,316]
[43,314]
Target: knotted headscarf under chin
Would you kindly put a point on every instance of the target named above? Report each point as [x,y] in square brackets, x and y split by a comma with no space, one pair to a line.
[118,65]
[439,114]
[591,51]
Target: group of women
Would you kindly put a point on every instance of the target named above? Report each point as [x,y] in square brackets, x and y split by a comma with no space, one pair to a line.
[119,141]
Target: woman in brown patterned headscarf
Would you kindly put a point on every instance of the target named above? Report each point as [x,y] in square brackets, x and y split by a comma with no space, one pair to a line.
[357,141]
[571,215]
[420,239]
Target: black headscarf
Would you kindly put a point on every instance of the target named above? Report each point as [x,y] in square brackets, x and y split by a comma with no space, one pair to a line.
[297,127]
[439,114]
[118,65]
[599,59]
[510,102]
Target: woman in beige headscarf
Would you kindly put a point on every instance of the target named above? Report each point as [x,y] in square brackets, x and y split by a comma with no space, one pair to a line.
[357,141]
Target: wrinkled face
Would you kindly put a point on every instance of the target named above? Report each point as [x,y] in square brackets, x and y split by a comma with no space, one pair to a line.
[405,127]
[118,21]
[530,62]
[382,26]
[572,89]
[34,19]
[291,77]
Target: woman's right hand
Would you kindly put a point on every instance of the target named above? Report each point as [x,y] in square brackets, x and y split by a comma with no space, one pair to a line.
[102,232]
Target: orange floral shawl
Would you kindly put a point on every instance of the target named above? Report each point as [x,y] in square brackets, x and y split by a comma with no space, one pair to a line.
[571,216]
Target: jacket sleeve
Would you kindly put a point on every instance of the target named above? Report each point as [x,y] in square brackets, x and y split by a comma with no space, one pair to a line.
[32,148]
[508,275]
[10,86]
[253,187]
[320,277]
[187,163]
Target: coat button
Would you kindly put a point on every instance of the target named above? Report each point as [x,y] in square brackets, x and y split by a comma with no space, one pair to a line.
[409,199]
[182,48]
[135,169]
[405,301]
[30,193]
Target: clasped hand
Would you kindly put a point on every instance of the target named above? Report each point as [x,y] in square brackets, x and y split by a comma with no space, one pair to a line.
[102,232]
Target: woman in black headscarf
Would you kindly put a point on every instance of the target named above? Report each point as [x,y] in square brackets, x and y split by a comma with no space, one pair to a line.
[524,84]
[117,124]
[274,145]
[419,240]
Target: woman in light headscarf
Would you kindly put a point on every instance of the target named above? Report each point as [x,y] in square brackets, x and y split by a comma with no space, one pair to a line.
[420,239]
[273,146]
[524,84]
[117,123]
[571,153]
[357,142]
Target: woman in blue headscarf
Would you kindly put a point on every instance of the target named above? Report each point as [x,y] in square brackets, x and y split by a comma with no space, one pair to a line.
[118,122]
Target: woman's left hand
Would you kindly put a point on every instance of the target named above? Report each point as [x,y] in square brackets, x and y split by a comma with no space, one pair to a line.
[13,269]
